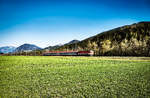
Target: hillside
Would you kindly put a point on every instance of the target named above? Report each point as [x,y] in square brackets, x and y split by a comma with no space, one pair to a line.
[129,40]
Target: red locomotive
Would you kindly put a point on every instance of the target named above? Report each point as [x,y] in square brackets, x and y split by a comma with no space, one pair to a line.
[69,53]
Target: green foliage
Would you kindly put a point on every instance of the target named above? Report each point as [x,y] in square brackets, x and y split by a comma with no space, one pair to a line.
[43,77]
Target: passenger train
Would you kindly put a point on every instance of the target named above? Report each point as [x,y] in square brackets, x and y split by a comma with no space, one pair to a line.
[69,53]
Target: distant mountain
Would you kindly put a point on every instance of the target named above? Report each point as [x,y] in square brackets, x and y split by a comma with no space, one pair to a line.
[7,49]
[72,42]
[53,47]
[57,46]
[129,40]
[27,48]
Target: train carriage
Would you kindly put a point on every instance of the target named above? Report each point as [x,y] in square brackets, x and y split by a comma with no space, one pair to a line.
[69,53]
[86,53]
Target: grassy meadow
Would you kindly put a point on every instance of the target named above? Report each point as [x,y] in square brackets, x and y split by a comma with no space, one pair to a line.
[52,76]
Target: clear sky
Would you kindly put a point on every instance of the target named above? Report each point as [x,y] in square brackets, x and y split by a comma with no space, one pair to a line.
[51,22]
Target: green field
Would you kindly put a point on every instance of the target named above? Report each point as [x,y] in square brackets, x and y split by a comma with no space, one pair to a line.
[39,76]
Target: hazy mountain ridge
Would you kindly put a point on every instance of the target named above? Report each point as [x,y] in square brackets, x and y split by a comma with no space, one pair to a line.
[7,49]
[129,40]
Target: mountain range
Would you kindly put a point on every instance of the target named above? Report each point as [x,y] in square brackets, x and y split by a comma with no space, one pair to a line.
[128,40]
[30,47]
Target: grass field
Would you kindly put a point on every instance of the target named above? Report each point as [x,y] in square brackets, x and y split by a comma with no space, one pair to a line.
[39,76]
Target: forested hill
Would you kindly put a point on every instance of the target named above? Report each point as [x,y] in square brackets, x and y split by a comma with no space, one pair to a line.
[129,40]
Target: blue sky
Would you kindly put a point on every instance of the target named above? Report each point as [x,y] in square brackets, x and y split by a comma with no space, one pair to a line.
[51,22]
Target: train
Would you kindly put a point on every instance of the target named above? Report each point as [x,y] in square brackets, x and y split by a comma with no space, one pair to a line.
[69,53]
